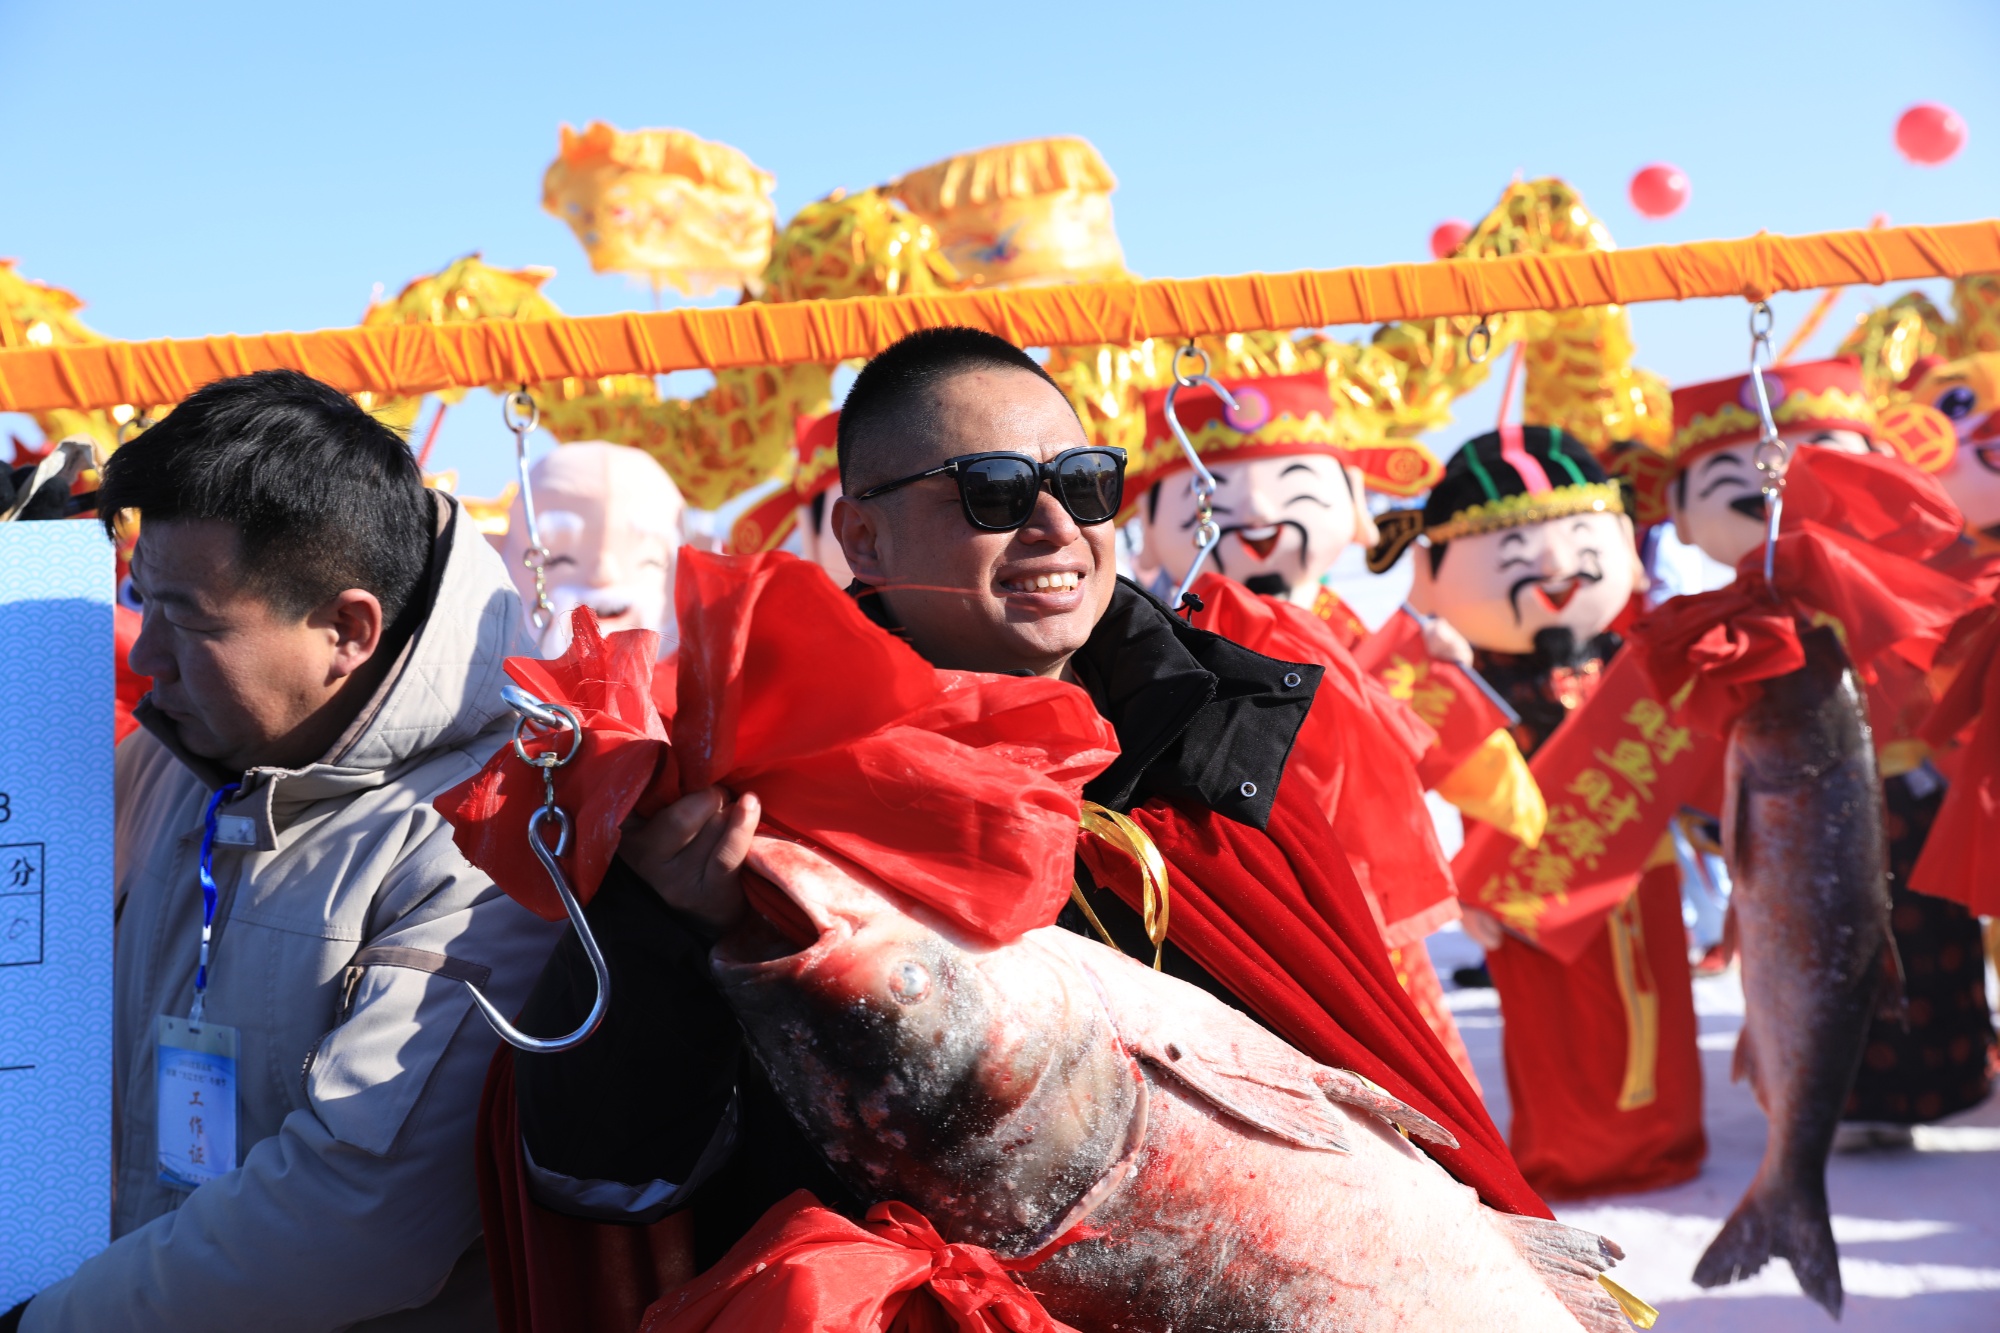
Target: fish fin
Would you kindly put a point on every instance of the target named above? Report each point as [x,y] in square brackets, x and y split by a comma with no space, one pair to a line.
[1792,1224]
[1213,1051]
[1569,1260]
[1343,1085]
[1742,1064]
[1288,1109]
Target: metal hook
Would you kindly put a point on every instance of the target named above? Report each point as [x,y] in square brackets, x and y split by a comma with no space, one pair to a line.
[1482,333]
[521,414]
[551,716]
[1772,455]
[1207,533]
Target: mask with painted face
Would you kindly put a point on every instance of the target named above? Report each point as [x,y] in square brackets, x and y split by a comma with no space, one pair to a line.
[1527,538]
[1290,490]
[611,520]
[1715,494]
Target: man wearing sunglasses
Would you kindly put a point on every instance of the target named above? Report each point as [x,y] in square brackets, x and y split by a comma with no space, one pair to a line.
[976,517]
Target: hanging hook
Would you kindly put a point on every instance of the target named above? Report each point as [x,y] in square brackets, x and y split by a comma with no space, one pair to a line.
[521,414]
[1773,456]
[550,717]
[1207,533]
[1480,338]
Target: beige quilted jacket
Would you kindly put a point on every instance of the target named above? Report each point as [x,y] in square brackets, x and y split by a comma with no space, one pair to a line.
[354,1198]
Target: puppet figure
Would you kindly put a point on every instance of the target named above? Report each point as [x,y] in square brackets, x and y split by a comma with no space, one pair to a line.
[1933,1058]
[1715,496]
[1530,557]
[1289,499]
[1967,392]
[611,520]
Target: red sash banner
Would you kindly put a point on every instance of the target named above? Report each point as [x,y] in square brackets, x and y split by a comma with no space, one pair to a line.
[1614,773]
[1438,692]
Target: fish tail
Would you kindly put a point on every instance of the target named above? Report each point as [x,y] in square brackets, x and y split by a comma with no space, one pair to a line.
[1569,1259]
[1789,1222]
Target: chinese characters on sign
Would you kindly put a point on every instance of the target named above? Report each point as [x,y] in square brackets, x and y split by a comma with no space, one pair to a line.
[1615,773]
[20,904]
[56,587]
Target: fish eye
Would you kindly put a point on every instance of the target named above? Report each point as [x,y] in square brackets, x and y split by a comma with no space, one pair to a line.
[909,982]
[1957,402]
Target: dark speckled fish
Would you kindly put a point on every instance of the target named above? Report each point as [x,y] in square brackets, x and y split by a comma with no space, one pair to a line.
[1203,1174]
[1802,832]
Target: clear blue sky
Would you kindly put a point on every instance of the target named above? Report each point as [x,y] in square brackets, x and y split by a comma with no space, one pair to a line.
[203,168]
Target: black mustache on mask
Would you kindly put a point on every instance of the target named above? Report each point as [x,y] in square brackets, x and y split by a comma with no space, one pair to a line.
[1751,506]
[1583,576]
[1268,585]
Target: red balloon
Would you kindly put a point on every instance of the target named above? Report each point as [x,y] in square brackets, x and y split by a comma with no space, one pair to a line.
[1447,236]
[1928,134]
[1659,191]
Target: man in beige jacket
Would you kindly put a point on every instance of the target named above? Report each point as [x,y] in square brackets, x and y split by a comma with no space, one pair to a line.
[327,635]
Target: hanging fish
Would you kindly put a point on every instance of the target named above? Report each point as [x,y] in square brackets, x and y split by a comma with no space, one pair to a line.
[1802,834]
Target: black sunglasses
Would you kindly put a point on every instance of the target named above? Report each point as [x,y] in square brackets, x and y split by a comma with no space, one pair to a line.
[999,490]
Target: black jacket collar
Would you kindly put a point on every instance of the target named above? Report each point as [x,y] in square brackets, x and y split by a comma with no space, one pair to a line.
[1198,718]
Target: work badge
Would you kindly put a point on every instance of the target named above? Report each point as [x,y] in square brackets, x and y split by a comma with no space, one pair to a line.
[196,1072]
[194,1062]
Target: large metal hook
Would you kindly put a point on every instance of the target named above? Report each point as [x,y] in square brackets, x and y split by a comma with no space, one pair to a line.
[1772,456]
[529,709]
[1207,533]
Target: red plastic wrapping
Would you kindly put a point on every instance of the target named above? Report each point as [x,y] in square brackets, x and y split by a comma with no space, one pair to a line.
[807,1267]
[1854,534]
[958,789]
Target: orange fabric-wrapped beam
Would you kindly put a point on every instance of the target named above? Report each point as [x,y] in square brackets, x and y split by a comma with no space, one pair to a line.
[405,360]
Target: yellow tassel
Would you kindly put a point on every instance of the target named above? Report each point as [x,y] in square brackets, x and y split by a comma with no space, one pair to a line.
[1125,836]
[1635,1309]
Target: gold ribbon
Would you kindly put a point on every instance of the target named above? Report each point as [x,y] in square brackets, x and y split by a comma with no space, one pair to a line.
[1121,834]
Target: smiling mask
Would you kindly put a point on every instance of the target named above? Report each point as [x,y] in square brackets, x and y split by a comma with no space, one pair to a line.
[1290,489]
[1525,535]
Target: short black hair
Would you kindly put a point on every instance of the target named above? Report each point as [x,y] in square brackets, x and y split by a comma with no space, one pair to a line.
[895,390]
[323,496]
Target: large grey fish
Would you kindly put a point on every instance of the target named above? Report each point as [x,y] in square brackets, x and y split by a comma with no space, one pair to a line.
[1802,833]
[1206,1175]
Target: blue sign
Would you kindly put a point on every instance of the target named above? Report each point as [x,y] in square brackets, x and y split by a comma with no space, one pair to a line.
[55,901]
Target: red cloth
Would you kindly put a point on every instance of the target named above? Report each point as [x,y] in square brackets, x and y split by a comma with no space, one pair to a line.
[1277,917]
[553,1271]
[1358,752]
[1853,538]
[1961,858]
[608,684]
[132,687]
[1567,1042]
[807,1267]
[961,790]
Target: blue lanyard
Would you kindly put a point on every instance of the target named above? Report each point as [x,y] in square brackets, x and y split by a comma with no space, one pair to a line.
[207,895]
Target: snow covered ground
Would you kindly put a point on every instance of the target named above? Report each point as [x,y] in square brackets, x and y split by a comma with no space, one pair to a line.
[1919,1230]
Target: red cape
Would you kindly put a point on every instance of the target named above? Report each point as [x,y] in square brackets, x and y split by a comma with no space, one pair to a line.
[1358,751]
[1278,918]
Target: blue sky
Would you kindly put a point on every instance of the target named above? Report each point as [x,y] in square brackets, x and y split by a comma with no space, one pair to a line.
[207,168]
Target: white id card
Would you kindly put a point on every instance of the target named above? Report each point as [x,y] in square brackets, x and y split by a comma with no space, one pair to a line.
[196,1128]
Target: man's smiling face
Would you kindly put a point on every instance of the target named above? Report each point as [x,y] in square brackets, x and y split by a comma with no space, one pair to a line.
[1499,589]
[1284,521]
[973,600]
